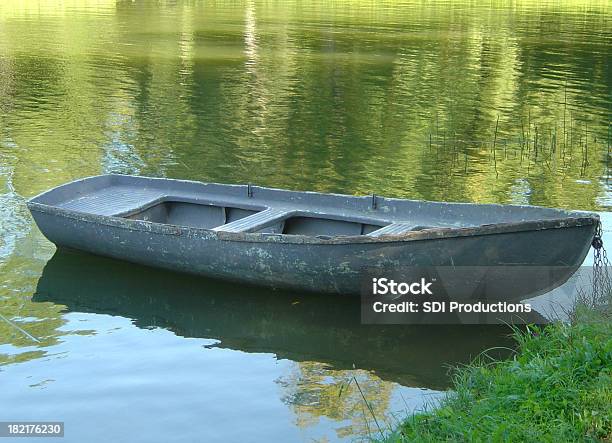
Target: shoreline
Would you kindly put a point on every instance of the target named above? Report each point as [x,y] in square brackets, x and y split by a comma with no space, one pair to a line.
[556,387]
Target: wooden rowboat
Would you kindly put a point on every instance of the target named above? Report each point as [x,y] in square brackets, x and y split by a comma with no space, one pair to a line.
[299,240]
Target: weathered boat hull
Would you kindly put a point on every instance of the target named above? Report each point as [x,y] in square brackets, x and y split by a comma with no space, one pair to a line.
[322,264]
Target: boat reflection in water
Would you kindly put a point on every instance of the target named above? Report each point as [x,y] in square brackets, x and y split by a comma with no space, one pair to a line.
[299,327]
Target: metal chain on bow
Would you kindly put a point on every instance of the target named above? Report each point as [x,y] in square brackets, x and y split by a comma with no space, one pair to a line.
[602,283]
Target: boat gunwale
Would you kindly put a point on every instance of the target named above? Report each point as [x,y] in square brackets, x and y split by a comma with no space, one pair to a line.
[572,219]
[426,234]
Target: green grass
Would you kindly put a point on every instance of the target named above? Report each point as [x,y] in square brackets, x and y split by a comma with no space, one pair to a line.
[557,388]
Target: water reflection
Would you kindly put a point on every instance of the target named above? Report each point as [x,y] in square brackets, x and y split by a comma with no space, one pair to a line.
[402,101]
[299,327]
[326,362]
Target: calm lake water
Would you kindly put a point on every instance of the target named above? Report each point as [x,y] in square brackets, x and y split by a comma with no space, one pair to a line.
[492,101]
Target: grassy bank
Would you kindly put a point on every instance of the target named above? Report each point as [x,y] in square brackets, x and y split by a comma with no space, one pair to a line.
[557,387]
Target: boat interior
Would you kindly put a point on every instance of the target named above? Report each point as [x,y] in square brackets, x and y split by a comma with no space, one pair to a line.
[236,219]
[246,208]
